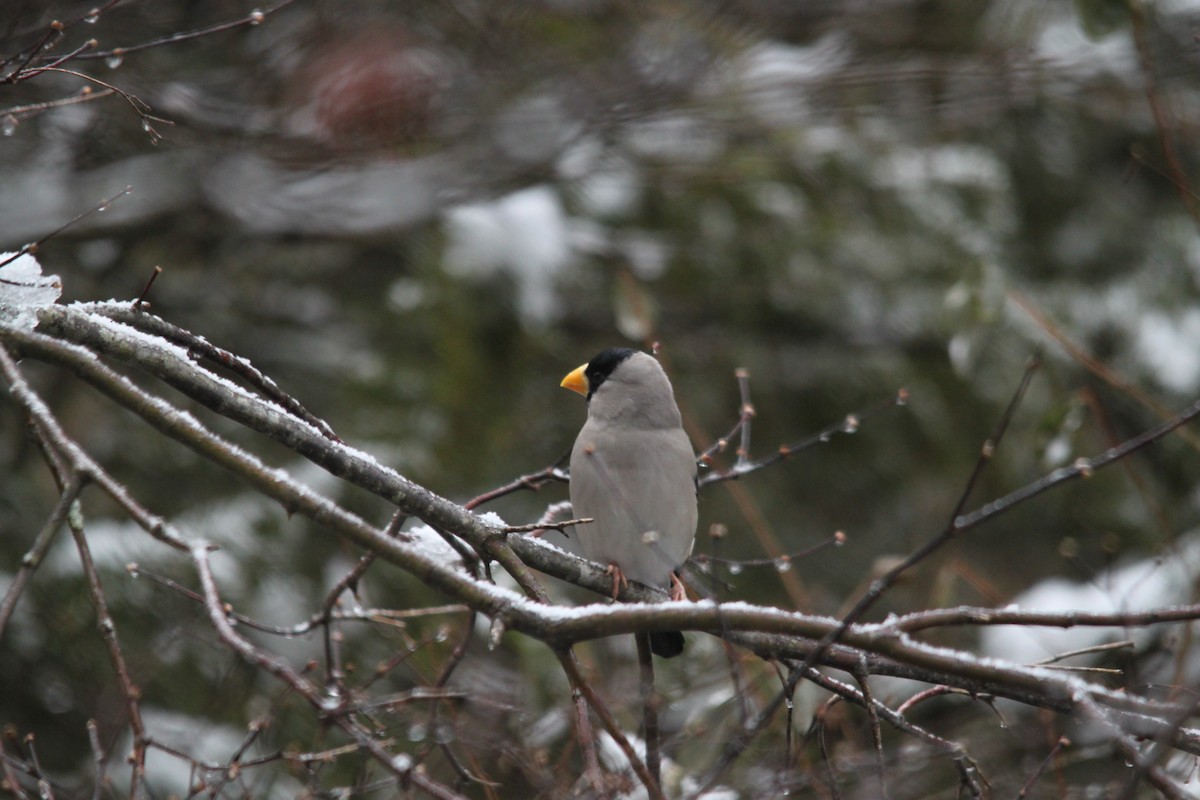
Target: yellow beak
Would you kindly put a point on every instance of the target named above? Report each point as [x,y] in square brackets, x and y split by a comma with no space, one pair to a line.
[576,381]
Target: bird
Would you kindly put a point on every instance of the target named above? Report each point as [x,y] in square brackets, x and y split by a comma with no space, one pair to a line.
[633,472]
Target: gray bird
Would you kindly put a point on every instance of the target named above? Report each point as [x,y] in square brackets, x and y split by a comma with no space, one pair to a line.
[633,471]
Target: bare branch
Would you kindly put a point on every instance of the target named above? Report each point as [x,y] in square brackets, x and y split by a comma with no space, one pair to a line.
[33,247]
[532,482]
[580,684]
[537,528]
[881,584]
[942,617]
[33,558]
[745,466]
[398,764]
[108,630]
[50,431]
[256,17]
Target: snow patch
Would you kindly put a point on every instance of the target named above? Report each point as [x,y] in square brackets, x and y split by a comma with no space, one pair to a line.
[1141,585]
[1167,345]
[24,290]
[524,234]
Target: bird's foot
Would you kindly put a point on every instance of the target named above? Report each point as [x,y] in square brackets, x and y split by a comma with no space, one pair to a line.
[618,578]
[678,590]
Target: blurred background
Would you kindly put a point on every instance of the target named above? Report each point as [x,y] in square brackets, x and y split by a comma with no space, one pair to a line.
[418,217]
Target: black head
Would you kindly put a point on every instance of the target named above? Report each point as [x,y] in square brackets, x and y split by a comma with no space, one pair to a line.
[602,366]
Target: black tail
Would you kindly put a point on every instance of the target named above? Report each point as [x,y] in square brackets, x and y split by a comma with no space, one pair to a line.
[666,644]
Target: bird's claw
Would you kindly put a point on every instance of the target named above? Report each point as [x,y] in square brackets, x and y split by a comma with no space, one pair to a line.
[678,590]
[619,581]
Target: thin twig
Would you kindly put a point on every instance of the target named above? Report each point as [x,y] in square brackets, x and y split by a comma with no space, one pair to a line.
[862,676]
[880,585]
[966,615]
[532,482]
[1083,651]
[349,581]
[968,770]
[255,17]
[99,759]
[1062,743]
[33,247]
[826,761]
[587,742]
[746,413]
[747,733]
[137,304]
[81,463]
[108,630]
[847,425]
[838,539]
[12,781]
[53,34]
[41,544]
[1162,125]
[87,94]
[578,682]
[33,72]
[399,766]
[140,107]
[649,707]
[534,527]
[1095,365]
